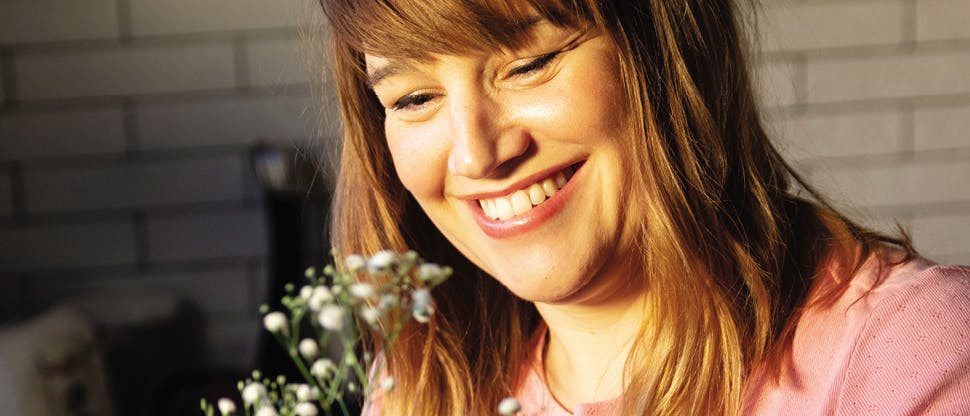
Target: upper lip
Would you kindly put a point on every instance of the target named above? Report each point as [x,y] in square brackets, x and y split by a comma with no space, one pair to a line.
[519,184]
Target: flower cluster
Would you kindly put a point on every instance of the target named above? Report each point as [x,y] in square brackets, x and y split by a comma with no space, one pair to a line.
[382,293]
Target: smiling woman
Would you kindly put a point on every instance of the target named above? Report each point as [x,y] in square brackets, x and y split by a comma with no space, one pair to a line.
[625,238]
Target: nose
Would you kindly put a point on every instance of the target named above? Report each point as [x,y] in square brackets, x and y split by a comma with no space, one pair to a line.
[484,141]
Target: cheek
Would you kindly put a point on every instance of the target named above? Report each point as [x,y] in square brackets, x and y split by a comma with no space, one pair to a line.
[419,159]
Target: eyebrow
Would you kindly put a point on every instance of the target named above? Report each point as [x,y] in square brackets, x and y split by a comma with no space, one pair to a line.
[393,67]
[396,66]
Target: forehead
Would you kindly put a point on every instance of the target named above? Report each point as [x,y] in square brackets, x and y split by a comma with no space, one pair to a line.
[531,31]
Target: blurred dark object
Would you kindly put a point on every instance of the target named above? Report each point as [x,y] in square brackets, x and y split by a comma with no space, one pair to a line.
[297,202]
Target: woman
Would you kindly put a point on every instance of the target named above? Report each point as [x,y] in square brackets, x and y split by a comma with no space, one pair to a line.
[626,240]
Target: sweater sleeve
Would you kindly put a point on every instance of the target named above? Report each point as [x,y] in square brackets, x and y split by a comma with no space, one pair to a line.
[913,354]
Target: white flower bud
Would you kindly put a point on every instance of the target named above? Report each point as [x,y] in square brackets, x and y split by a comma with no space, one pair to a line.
[381,262]
[322,368]
[331,317]
[509,406]
[428,272]
[387,383]
[252,393]
[321,296]
[369,314]
[305,393]
[306,292]
[422,306]
[275,322]
[421,297]
[267,411]
[226,406]
[305,409]
[355,263]
[308,348]
[388,301]
[362,290]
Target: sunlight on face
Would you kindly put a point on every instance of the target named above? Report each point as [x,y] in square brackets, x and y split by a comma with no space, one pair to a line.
[517,157]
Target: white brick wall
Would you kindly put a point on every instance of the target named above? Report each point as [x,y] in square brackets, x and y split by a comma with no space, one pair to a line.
[6,202]
[62,133]
[125,70]
[57,20]
[219,235]
[134,184]
[942,19]
[946,127]
[888,75]
[876,109]
[265,54]
[222,121]
[59,247]
[832,24]
[152,17]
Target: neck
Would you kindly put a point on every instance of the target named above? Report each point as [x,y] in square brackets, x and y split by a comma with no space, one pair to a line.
[589,342]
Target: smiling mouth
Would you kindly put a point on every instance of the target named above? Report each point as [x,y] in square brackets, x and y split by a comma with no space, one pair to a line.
[523,200]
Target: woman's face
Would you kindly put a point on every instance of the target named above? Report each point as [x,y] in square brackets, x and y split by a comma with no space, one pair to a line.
[517,156]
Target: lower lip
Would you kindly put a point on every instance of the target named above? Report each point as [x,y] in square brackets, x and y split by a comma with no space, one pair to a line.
[538,215]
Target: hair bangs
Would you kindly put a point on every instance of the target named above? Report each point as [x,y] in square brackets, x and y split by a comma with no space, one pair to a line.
[419,28]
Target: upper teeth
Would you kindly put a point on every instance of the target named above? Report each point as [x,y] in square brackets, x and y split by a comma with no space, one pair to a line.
[522,200]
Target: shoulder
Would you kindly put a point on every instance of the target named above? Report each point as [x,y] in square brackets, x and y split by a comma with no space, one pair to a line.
[911,354]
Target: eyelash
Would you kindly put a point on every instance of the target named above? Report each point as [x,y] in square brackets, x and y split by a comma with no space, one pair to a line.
[533,66]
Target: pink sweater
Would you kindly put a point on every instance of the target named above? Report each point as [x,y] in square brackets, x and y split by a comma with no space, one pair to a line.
[901,348]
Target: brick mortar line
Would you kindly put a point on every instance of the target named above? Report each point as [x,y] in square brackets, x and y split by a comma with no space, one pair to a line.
[122,215]
[240,58]
[18,193]
[236,151]
[135,41]
[283,90]
[76,103]
[916,157]
[857,51]
[122,270]
[142,241]
[125,26]
[8,78]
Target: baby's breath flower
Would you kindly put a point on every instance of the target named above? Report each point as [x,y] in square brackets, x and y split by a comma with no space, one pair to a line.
[369,314]
[331,317]
[509,406]
[422,307]
[310,272]
[275,322]
[428,272]
[387,383]
[305,393]
[352,387]
[322,368]
[226,406]
[267,411]
[306,292]
[388,301]
[381,262]
[308,348]
[362,290]
[305,409]
[355,263]
[253,392]
[320,297]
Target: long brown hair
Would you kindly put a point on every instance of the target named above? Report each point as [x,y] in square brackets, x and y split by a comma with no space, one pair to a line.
[722,234]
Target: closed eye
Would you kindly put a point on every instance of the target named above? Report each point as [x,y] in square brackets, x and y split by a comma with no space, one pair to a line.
[412,101]
[534,65]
